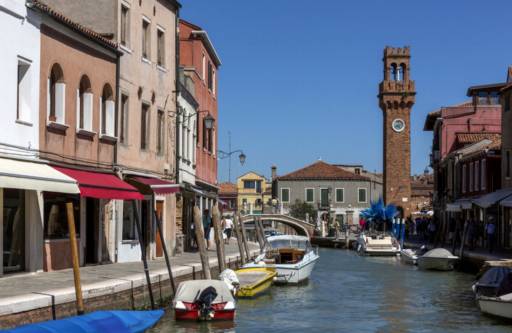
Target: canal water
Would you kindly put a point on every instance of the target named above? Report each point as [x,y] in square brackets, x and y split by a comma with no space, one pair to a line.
[349,293]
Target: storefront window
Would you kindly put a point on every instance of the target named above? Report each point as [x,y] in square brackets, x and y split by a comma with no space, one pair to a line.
[14,230]
[55,215]
[129,232]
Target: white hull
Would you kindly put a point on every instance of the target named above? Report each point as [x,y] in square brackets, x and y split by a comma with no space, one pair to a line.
[408,257]
[383,247]
[296,273]
[436,264]
[495,306]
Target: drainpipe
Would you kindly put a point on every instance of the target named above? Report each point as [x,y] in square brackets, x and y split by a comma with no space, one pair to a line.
[177,90]
[118,93]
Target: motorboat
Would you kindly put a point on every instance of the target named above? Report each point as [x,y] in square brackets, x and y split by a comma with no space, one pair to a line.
[438,259]
[410,256]
[378,244]
[291,256]
[493,291]
[97,322]
[204,300]
[254,281]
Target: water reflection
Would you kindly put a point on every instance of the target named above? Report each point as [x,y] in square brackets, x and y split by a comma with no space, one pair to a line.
[349,293]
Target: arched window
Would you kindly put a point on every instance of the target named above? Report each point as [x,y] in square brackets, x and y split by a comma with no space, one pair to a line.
[84,104]
[402,72]
[107,111]
[56,95]
[393,72]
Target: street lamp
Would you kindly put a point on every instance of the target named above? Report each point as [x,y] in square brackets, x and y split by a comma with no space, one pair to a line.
[208,121]
[227,154]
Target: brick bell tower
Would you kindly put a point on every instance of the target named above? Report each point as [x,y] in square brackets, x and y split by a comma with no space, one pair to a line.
[396,98]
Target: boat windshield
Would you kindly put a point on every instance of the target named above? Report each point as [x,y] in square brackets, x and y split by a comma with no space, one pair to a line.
[289,243]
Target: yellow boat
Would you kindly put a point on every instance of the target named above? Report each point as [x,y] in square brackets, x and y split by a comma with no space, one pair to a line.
[254,280]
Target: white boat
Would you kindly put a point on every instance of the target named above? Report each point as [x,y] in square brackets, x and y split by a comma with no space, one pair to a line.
[494,292]
[292,257]
[377,245]
[410,256]
[438,260]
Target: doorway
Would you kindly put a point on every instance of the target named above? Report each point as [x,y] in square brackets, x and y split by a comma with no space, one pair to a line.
[92,227]
[159,214]
[13,230]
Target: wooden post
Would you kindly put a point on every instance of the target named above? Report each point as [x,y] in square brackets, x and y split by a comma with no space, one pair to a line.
[198,227]
[166,254]
[74,257]
[244,239]
[257,232]
[219,241]
[143,252]
[238,231]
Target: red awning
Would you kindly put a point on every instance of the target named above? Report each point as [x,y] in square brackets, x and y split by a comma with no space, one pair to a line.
[101,185]
[157,185]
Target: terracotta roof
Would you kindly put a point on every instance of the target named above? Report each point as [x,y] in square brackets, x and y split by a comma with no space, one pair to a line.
[321,171]
[227,188]
[91,34]
[466,138]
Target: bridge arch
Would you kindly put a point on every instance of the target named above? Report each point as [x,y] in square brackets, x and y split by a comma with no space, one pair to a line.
[302,228]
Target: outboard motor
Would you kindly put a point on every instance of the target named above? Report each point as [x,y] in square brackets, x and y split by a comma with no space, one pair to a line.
[204,303]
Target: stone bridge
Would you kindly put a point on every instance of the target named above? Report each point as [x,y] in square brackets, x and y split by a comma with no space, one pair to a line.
[302,228]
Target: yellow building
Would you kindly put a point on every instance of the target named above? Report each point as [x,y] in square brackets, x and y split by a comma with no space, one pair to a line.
[254,193]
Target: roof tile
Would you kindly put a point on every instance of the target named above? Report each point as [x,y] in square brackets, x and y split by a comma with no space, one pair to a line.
[321,171]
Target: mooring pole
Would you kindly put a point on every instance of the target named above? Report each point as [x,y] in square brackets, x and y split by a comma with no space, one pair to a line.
[198,227]
[239,239]
[257,232]
[219,240]
[166,254]
[74,257]
[244,239]
[143,253]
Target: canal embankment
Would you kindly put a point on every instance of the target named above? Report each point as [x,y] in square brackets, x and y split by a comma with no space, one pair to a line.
[35,297]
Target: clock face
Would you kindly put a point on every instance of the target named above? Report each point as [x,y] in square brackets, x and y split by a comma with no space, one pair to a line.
[398,125]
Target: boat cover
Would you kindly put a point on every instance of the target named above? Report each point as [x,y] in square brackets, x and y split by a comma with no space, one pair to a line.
[97,322]
[189,291]
[439,253]
[495,282]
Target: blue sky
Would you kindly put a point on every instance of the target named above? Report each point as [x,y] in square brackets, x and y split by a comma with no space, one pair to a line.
[299,79]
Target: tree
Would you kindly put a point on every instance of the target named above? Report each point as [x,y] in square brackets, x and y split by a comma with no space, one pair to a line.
[299,209]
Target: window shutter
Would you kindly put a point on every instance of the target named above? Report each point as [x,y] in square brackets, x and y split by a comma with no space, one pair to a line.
[48,98]
[60,101]
[109,118]
[88,111]
[78,109]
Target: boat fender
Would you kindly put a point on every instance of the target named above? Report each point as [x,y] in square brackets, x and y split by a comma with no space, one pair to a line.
[229,277]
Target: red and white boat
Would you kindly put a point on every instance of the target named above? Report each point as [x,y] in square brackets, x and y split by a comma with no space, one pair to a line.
[204,300]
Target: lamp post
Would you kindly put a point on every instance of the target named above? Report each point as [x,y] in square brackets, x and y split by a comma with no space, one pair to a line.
[227,154]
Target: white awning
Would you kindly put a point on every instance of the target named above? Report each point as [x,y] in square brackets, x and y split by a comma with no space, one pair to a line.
[453,207]
[27,175]
[489,199]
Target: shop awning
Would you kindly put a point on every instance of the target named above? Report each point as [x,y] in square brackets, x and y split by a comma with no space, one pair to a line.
[489,199]
[453,207]
[464,203]
[156,185]
[27,175]
[101,185]
[507,202]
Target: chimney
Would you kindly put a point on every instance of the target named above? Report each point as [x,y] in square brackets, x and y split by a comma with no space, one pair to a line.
[274,172]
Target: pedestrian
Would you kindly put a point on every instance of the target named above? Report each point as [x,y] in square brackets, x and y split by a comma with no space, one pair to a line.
[228,228]
[491,231]
[362,224]
[207,225]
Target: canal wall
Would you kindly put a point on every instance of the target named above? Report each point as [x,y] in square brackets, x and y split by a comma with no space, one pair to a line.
[129,292]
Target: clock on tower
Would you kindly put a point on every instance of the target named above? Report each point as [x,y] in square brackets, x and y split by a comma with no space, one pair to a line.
[396,98]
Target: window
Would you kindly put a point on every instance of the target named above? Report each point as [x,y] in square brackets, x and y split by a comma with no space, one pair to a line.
[506,102]
[160,133]
[129,229]
[209,131]
[483,180]
[24,91]
[285,195]
[194,141]
[507,165]
[310,195]
[477,176]
[123,131]
[107,112]
[324,197]
[205,135]
[56,95]
[249,184]
[494,98]
[160,47]
[210,76]
[340,218]
[13,230]
[361,195]
[213,82]
[340,195]
[84,104]
[471,170]
[146,37]
[55,215]
[144,129]
[125,25]
[203,73]
[464,183]
[482,98]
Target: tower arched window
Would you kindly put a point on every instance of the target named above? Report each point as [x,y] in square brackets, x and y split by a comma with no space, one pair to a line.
[84,104]
[393,70]
[402,72]
[107,111]
[56,95]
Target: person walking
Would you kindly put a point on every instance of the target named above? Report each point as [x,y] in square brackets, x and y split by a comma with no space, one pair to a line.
[491,231]
[228,228]
[207,225]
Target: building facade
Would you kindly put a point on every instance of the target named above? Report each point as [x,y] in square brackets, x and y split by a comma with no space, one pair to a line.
[396,99]
[254,193]
[228,199]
